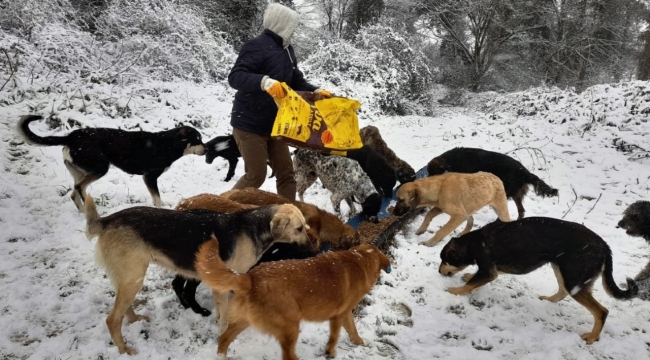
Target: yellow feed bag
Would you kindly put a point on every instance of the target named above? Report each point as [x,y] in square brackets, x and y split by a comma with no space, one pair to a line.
[307,120]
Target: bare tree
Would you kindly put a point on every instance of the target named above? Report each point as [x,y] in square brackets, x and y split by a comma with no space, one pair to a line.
[643,67]
[476,29]
[335,14]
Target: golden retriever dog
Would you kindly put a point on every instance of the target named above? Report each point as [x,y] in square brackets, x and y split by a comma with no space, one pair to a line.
[459,195]
[331,230]
[274,297]
[185,288]
[131,239]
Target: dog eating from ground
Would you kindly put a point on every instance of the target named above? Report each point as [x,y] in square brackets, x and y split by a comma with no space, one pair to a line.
[576,254]
[225,147]
[330,229]
[185,288]
[274,297]
[377,168]
[342,176]
[88,153]
[129,240]
[458,195]
[636,222]
[371,137]
[515,177]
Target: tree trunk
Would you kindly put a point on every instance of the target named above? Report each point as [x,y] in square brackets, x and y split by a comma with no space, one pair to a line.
[644,59]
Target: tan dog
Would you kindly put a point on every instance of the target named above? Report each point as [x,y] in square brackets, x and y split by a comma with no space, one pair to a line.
[274,297]
[330,228]
[132,238]
[456,194]
[185,288]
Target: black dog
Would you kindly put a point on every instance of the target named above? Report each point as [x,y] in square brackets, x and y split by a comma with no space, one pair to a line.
[88,153]
[513,174]
[377,168]
[577,255]
[225,147]
[636,222]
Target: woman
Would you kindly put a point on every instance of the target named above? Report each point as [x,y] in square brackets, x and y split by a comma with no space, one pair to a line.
[263,63]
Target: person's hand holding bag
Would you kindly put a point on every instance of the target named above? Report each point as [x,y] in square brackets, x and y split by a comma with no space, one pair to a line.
[273,87]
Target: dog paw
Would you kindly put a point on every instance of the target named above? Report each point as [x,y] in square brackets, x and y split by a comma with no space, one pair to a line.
[589,338]
[127,350]
[467,277]
[426,243]
[222,357]
[203,312]
[481,345]
[457,290]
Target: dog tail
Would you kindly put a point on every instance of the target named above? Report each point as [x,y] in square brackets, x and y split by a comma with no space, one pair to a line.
[610,285]
[541,188]
[214,272]
[33,139]
[93,223]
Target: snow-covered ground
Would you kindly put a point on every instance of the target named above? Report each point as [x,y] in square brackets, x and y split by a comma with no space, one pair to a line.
[54,299]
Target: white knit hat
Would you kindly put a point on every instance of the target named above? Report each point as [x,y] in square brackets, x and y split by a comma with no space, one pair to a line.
[281,20]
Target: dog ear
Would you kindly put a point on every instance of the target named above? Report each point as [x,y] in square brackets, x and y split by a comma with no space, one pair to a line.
[182,132]
[414,196]
[278,224]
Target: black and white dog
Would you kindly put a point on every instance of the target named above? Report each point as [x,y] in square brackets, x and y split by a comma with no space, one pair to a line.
[226,147]
[342,176]
[88,153]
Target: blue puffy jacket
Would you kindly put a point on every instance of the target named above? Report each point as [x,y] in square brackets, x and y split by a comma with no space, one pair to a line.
[253,108]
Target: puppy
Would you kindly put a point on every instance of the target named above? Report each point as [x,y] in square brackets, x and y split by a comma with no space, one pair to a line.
[636,222]
[515,177]
[225,147]
[371,137]
[330,229]
[87,153]
[274,297]
[377,168]
[132,238]
[576,254]
[343,177]
[185,288]
[459,195]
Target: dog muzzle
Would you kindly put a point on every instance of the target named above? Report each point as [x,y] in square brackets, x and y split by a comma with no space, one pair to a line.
[389,269]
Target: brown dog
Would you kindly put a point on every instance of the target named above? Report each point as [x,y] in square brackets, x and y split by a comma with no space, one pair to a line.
[330,228]
[185,288]
[274,297]
[130,239]
[456,194]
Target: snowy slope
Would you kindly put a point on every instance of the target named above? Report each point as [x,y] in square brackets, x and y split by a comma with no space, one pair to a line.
[55,299]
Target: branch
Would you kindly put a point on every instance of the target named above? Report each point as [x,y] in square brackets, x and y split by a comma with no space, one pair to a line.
[13,70]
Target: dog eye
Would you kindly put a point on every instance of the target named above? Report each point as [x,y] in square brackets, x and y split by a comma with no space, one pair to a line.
[300,229]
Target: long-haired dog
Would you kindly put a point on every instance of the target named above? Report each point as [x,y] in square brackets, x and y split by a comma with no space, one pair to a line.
[636,222]
[274,297]
[515,177]
[88,153]
[456,194]
[130,239]
[371,137]
[342,176]
[576,254]
[185,288]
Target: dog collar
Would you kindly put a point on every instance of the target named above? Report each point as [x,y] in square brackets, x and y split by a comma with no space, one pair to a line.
[389,269]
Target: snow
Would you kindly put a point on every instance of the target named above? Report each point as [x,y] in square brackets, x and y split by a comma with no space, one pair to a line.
[55,299]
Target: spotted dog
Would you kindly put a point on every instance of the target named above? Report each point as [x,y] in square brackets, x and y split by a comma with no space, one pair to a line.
[342,176]
[88,153]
